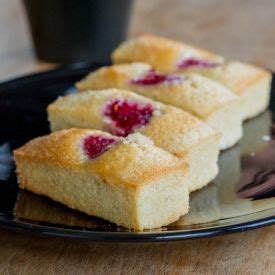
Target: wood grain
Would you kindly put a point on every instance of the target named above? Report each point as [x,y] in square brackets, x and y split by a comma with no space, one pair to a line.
[237,29]
[244,253]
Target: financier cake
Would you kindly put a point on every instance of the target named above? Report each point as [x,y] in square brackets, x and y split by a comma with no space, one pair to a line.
[249,82]
[198,95]
[127,181]
[122,112]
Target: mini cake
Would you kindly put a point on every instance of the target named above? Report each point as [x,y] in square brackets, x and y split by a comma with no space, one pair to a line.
[198,95]
[249,82]
[121,113]
[127,181]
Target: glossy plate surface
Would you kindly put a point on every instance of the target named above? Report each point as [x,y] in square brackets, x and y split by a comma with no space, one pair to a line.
[242,196]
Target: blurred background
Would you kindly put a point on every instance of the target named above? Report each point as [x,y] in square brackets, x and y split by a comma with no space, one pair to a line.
[237,29]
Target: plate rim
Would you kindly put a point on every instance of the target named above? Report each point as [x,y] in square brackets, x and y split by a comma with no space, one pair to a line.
[162,236]
[173,235]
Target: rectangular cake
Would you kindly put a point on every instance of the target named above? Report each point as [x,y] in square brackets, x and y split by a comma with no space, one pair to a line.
[204,98]
[127,181]
[249,82]
[122,112]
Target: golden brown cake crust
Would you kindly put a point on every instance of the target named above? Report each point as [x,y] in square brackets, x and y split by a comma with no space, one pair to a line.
[162,53]
[185,134]
[116,75]
[131,162]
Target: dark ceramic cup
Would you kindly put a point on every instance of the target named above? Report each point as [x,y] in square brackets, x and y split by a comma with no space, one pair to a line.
[69,31]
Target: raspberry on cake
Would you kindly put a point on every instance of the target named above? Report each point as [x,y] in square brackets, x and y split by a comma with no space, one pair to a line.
[122,112]
[202,97]
[191,62]
[95,145]
[153,78]
[249,82]
[127,181]
[127,116]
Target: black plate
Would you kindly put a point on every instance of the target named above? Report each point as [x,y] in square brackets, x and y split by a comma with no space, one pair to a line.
[240,198]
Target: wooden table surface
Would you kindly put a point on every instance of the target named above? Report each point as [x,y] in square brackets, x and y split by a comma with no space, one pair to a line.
[237,29]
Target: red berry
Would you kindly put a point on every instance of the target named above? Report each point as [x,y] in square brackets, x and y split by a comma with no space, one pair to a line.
[193,62]
[154,78]
[95,145]
[127,116]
